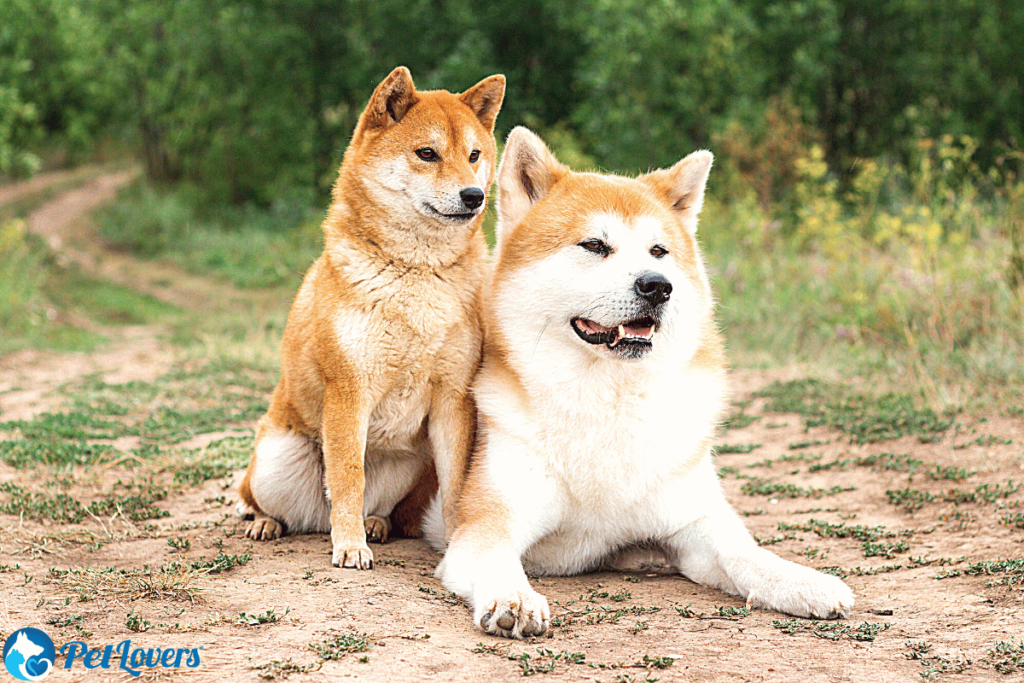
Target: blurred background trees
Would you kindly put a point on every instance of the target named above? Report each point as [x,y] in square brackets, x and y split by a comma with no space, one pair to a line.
[249,99]
[867,191]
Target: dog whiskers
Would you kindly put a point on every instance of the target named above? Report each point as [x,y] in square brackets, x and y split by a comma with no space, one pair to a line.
[540,334]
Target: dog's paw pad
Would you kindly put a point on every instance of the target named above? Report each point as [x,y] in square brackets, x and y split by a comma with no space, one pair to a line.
[377,528]
[264,528]
[521,615]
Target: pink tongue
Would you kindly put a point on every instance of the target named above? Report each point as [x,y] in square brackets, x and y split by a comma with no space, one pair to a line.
[591,327]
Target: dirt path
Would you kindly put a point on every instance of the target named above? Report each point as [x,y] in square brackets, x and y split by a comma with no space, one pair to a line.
[397,623]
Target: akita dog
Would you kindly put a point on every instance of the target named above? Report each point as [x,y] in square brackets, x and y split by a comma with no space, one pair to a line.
[384,337]
[603,380]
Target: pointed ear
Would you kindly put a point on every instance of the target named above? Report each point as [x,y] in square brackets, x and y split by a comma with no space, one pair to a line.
[527,173]
[391,100]
[485,98]
[682,186]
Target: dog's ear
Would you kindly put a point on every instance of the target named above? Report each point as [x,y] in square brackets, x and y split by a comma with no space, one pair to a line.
[527,172]
[485,98]
[391,100]
[682,186]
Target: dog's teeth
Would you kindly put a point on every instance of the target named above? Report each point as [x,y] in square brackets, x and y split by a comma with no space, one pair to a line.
[622,330]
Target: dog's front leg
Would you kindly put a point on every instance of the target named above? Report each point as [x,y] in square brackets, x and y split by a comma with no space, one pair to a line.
[452,429]
[344,447]
[716,550]
[507,505]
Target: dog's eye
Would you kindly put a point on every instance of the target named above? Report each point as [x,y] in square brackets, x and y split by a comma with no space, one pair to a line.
[658,251]
[596,246]
[474,155]
[427,154]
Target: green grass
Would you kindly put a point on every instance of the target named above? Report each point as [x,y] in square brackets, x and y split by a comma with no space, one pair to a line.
[831,630]
[338,646]
[1006,656]
[760,487]
[190,401]
[268,617]
[106,302]
[218,459]
[246,246]
[62,507]
[865,418]
[911,500]
[1008,572]
[726,449]
[28,318]
[283,668]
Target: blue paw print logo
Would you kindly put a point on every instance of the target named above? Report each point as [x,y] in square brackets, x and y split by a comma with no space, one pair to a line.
[29,654]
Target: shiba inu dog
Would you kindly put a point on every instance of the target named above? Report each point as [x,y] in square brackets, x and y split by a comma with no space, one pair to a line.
[383,338]
[601,386]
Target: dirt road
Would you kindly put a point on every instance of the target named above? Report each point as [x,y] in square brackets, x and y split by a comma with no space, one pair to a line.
[927,527]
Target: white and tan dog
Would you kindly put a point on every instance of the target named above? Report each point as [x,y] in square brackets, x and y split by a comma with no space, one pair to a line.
[602,383]
[384,338]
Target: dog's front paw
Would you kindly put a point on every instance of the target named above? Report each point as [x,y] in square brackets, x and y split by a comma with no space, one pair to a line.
[803,592]
[352,556]
[520,614]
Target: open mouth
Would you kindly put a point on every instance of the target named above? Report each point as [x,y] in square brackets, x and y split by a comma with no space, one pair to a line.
[453,217]
[632,338]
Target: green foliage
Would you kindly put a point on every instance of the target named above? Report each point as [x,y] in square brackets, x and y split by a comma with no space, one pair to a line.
[865,418]
[759,487]
[249,247]
[1006,656]
[341,645]
[167,411]
[725,448]
[63,508]
[248,100]
[268,617]
[831,630]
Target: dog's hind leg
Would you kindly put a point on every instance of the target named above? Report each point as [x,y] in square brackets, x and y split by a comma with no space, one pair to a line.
[284,486]
[716,550]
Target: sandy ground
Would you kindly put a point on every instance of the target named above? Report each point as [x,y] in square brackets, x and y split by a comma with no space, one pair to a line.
[418,632]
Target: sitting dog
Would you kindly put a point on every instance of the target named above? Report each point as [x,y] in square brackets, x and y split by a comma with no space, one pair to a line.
[603,380]
[384,336]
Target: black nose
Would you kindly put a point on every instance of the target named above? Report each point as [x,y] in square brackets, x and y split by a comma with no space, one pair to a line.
[654,287]
[472,197]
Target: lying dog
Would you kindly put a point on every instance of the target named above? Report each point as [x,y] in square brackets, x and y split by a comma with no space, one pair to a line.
[384,336]
[602,383]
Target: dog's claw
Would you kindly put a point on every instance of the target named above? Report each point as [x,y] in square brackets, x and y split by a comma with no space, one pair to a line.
[264,528]
[357,557]
[521,615]
[377,528]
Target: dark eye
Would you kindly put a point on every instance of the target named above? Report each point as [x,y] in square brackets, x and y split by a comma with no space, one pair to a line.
[427,154]
[596,246]
[474,155]
[658,251]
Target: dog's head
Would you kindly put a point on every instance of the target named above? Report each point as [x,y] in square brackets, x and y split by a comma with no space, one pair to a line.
[607,265]
[427,157]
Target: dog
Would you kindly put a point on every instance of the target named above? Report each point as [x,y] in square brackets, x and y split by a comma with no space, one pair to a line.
[602,383]
[384,336]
